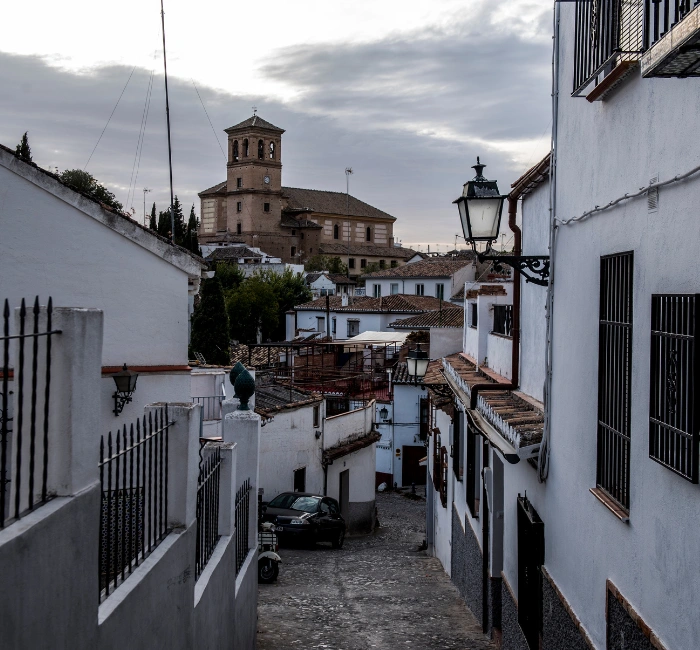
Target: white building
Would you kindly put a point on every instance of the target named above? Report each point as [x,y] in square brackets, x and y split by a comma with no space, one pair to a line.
[439,277]
[325,283]
[248,259]
[58,243]
[344,316]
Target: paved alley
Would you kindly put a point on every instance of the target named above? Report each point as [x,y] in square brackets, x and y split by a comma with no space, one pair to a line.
[377,592]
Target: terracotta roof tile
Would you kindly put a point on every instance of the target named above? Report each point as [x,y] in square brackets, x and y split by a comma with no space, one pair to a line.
[255,121]
[487,290]
[400,303]
[389,252]
[330,203]
[449,316]
[430,268]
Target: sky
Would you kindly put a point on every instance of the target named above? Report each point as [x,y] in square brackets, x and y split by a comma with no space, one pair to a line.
[405,93]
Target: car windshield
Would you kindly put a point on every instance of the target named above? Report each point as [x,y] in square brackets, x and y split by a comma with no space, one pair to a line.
[294,502]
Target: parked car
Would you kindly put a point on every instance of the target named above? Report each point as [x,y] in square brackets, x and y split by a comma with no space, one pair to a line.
[306,517]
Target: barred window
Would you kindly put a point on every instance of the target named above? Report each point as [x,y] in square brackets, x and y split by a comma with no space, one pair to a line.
[458,445]
[473,471]
[503,319]
[443,476]
[673,430]
[615,377]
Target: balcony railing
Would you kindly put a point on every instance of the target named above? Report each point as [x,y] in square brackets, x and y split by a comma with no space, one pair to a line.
[207,509]
[242,514]
[661,15]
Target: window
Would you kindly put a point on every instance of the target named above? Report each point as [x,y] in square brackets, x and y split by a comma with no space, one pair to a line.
[300,480]
[675,390]
[266,207]
[334,328]
[473,314]
[614,377]
[239,206]
[238,228]
[503,319]
[272,150]
[473,486]
[239,182]
[443,478]
[246,149]
[530,561]
[363,264]
[423,418]
[420,289]
[437,473]
[368,234]
[261,150]
[382,264]
[336,231]
[235,150]
[394,288]
[353,328]
[351,263]
[294,251]
[301,235]
[320,324]
[394,264]
[377,290]
[458,445]
[317,416]
[440,291]
[294,232]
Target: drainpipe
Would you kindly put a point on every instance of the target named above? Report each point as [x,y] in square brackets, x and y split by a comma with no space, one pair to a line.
[515,360]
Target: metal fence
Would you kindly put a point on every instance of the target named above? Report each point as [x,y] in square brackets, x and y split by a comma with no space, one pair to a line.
[134,509]
[661,15]
[211,406]
[242,523]
[503,320]
[208,508]
[24,434]
[675,386]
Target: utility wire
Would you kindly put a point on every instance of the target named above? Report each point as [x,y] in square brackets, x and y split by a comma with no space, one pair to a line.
[110,118]
[207,114]
[139,141]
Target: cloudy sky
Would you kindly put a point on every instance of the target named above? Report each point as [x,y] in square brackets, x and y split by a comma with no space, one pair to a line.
[406,93]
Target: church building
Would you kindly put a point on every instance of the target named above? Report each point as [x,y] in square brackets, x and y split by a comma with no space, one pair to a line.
[251,206]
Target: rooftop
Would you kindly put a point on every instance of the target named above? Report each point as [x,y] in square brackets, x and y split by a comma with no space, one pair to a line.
[369,250]
[255,121]
[330,203]
[336,278]
[399,303]
[439,267]
[232,253]
[270,398]
[487,290]
[449,316]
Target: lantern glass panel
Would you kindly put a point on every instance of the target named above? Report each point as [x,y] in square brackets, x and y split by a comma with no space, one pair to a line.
[484,217]
[411,363]
[421,367]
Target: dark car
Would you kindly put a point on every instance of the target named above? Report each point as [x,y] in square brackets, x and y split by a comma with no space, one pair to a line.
[306,517]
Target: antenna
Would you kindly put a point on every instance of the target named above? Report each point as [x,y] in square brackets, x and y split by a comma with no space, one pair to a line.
[145,189]
[167,117]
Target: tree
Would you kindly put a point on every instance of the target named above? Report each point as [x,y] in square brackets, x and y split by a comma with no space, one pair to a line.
[326,263]
[370,268]
[192,240]
[23,152]
[210,326]
[86,183]
[230,276]
[180,227]
[153,224]
[253,311]
[290,289]
[164,224]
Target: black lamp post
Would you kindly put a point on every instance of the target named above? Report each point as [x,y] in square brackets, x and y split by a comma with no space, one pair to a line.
[125,380]
[480,208]
[417,363]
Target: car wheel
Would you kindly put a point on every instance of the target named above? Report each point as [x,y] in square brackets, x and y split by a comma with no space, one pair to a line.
[267,571]
[339,539]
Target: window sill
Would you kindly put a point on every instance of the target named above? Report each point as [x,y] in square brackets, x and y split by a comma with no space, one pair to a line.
[611,504]
[472,327]
[502,336]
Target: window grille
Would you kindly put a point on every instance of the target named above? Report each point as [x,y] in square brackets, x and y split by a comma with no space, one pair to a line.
[443,476]
[437,471]
[673,430]
[530,561]
[614,376]
[458,445]
[474,314]
[503,320]
[473,473]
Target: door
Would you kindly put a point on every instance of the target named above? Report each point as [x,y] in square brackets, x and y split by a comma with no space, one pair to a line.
[411,471]
[344,493]
[300,480]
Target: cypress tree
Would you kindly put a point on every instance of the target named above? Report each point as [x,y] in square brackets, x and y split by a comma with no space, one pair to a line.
[164,224]
[153,225]
[192,240]
[180,226]
[23,152]
[210,324]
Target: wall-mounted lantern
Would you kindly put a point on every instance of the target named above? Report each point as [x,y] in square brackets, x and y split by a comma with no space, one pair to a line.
[417,363]
[383,413]
[480,208]
[125,380]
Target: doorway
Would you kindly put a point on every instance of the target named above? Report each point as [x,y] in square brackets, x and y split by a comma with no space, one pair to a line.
[411,471]
[300,480]
[344,493]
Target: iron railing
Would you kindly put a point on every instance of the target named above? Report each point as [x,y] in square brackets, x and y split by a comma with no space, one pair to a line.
[675,389]
[607,32]
[211,406]
[242,523]
[503,320]
[208,485]
[24,472]
[661,15]
[134,510]
[615,376]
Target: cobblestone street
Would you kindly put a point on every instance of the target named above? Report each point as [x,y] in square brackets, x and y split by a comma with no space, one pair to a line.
[377,592]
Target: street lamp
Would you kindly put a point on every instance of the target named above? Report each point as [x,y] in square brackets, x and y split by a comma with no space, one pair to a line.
[125,380]
[480,208]
[383,413]
[417,363]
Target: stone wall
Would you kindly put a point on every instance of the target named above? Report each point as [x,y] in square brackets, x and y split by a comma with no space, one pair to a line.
[466,565]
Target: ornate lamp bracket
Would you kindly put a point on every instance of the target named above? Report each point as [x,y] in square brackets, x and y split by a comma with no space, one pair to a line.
[534,268]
